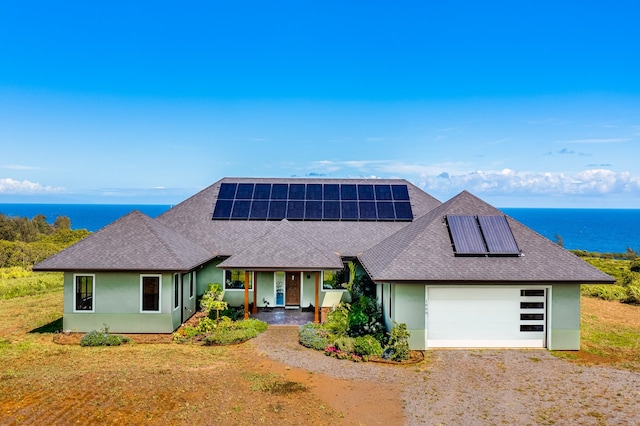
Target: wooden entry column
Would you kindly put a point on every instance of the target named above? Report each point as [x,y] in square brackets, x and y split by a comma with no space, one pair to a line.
[246,294]
[316,318]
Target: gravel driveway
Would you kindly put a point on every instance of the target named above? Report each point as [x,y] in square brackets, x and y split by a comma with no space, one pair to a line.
[483,387]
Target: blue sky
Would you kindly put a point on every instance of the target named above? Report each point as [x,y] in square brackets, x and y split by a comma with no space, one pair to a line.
[524,105]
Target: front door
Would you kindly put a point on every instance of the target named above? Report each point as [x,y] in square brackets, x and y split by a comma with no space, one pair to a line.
[292,289]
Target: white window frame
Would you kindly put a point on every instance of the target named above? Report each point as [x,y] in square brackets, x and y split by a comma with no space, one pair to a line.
[93,300]
[238,289]
[177,281]
[143,311]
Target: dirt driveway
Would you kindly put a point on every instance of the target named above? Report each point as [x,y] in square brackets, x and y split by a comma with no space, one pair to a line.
[467,387]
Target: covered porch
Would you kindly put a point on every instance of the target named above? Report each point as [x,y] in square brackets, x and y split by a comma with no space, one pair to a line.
[282,316]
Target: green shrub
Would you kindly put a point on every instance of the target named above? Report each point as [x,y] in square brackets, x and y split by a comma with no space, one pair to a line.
[345,344]
[103,338]
[605,292]
[398,347]
[313,336]
[367,346]
[230,336]
[338,320]
[633,294]
[185,334]
[365,318]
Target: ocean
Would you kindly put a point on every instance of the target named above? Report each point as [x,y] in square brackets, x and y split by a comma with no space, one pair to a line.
[598,230]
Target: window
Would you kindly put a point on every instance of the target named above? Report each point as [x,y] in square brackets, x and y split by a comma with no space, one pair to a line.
[337,280]
[150,289]
[234,279]
[192,283]
[176,291]
[83,293]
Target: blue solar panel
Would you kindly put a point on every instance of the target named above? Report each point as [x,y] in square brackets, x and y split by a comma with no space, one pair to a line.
[314,201]
[295,210]
[331,210]
[296,191]
[313,210]
[245,191]
[385,210]
[279,191]
[277,210]
[227,191]
[349,210]
[367,210]
[331,191]
[403,210]
[498,236]
[348,192]
[314,191]
[383,192]
[400,192]
[262,191]
[365,192]
[223,209]
[466,235]
[240,209]
[259,209]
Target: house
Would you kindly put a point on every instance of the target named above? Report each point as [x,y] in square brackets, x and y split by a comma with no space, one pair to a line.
[459,273]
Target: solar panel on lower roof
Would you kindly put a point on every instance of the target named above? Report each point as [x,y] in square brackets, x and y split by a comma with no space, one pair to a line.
[259,210]
[222,209]
[227,191]
[295,210]
[313,210]
[466,235]
[349,210]
[277,210]
[240,209]
[403,210]
[498,236]
[400,192]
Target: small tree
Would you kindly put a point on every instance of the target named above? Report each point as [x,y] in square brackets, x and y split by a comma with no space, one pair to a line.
[212,300]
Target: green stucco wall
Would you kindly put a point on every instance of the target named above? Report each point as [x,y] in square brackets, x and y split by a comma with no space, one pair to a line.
[117,304]
[564,315]
[408,308]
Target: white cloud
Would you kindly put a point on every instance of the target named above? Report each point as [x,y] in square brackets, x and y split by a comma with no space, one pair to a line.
[12,186]
[507,181]
[453,177]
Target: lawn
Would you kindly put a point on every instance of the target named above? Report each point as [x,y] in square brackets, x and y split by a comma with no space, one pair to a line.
[45,382]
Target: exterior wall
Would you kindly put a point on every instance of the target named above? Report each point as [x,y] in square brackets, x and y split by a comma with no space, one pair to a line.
[208,274]
[265,289]
[408,303]
[564,317]
[405,303]
[117,304]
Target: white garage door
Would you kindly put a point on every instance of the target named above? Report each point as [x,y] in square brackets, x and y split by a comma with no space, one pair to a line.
[485,317]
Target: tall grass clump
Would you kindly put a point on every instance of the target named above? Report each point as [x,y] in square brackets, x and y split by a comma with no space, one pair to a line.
[21,282]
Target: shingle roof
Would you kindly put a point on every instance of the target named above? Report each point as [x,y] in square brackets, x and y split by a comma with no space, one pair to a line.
[423,251]
[283,248]
[133,242]
[192,218]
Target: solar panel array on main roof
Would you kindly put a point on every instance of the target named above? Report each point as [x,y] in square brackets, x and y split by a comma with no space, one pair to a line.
[313,201]
[482,236]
